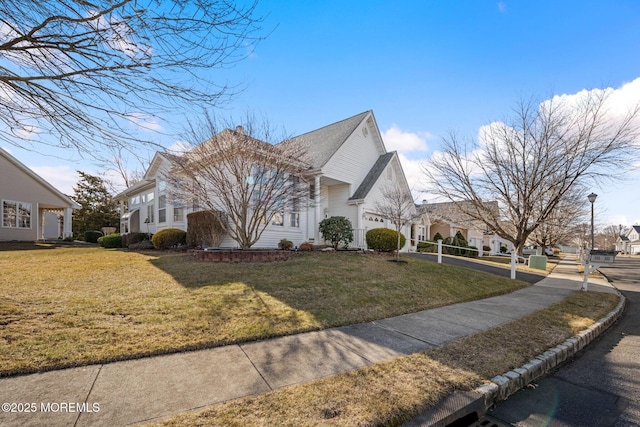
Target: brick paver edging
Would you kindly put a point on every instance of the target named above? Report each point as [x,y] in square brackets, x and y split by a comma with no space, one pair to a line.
[461,404]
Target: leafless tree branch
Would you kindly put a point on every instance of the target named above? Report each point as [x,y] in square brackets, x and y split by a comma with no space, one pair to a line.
[78,73]
[530,163]
[241,171]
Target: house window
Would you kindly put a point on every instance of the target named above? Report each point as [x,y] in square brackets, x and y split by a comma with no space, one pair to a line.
[178,214]
[16,214]
[150,209]
[162,209]
[277,219]
[294,219]
[312,191]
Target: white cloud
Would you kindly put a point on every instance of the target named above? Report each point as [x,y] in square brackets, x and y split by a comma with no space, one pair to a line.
[63,178]
[396,139]
[413,171]
[502,6]
[145,121]
[619,102]
[179,147]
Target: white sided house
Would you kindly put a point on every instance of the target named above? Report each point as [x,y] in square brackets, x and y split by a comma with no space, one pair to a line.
[30,207]
[446,218]
[348,167]
[629,243]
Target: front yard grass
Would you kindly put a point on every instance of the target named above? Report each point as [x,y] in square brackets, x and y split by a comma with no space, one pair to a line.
[394,392]
[63,306]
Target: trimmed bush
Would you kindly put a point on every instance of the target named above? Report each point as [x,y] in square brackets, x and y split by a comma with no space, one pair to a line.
[113,240]
[305,246]
[427,247]
[133,238]
[285,244]
[437,237]
[384,239]
[472,254]
[205,228]
[169,237]
[446,249]
[337,230]
[460,241]
[92,236]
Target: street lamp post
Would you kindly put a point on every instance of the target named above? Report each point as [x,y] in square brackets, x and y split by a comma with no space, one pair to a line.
[587,255]
[592,199]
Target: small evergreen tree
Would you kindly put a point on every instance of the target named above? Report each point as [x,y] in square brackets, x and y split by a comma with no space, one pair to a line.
[337,230]
[460,241]
[98,209]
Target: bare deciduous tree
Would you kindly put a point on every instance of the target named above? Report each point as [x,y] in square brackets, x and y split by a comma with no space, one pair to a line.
[81,74]
[243,174]
[559,226]
[529,164]
[610,235]
[396,205]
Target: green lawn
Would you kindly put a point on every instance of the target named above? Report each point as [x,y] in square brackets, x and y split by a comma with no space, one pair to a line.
[64,306]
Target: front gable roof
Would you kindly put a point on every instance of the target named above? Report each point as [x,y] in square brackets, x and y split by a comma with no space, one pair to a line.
[18,164]
[374,173]
[324,142]
[154,165]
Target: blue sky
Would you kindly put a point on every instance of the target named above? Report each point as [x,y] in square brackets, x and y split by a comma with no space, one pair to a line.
[425,68]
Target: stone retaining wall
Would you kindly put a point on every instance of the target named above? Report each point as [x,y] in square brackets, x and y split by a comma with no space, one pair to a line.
[241,255]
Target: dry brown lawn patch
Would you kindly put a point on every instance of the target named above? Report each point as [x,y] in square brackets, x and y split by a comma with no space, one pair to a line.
[393,392]
[63,306]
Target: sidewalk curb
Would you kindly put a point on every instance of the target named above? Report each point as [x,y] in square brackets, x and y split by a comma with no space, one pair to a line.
[474,404]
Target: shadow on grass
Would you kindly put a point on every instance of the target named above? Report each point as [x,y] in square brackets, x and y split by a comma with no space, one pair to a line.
[47,244]
[340,289]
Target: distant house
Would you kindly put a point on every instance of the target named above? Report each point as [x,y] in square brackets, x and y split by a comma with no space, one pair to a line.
[31,208]
[348,166]
[629,243]
[447,218]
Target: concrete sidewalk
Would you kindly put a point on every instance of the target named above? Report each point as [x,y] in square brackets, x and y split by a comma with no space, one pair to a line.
[135,391]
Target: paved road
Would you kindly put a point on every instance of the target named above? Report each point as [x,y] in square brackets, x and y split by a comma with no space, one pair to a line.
[498,271]
[601,387]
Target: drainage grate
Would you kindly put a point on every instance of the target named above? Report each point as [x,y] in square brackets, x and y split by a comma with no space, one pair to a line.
[489,421]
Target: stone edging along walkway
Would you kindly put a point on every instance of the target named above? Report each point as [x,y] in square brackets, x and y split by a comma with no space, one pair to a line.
[502,386]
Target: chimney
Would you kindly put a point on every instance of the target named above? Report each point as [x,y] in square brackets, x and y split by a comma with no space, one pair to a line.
[240,130]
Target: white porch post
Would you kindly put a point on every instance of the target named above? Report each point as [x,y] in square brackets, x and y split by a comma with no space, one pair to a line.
[67,229]
[43,213]
[318,208]
[413,230]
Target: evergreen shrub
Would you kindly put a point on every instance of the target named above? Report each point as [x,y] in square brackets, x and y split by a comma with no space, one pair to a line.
[169,237]
[384,239]
[92,236]
[111,241]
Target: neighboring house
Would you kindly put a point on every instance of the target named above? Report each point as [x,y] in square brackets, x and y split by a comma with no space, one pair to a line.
[447,218]
[629,243]
[31,208]
[348,168]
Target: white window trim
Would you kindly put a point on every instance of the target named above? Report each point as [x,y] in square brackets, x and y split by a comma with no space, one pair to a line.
[17,203]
